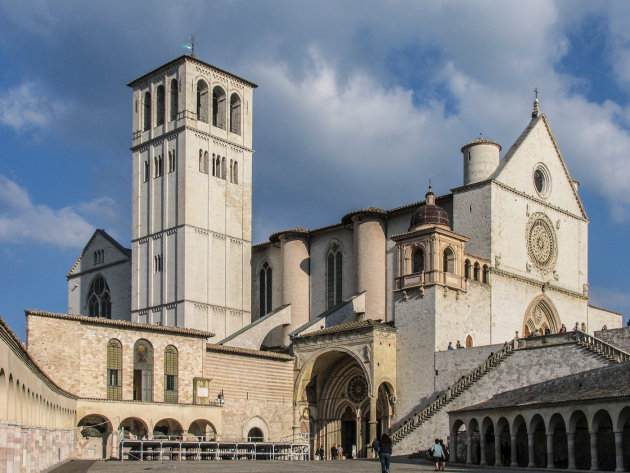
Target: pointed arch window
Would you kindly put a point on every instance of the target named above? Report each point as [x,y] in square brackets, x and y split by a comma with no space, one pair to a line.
[114,369]
[143,371]
[235,114]
[467,269]
[202,101]
[484,274]
[171,367]
[417,261]
[218,107]
[159,105]
[99,300]
[147,111]
[477,270]
[334,276]
[174,100]
[235,173]
[265,282]
[448,262]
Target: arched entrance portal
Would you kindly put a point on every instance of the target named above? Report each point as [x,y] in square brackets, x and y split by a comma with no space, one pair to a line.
[540,316]
[334,401]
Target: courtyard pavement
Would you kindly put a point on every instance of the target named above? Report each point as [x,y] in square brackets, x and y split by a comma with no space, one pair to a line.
[249,466]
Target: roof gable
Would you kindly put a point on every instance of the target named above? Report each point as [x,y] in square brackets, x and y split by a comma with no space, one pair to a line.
[537,146]
[100,240]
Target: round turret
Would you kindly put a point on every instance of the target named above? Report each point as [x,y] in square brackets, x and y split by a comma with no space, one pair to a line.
[429,215]
[481,158]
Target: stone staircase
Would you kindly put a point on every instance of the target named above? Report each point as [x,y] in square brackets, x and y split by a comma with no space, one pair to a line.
[451,393]
[581,339]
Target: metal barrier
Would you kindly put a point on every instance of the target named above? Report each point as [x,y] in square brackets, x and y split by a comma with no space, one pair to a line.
[181,450]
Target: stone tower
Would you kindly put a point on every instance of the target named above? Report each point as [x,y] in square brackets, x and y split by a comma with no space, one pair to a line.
[192,197]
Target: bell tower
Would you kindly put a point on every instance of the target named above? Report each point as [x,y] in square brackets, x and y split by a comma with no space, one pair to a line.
[192,197]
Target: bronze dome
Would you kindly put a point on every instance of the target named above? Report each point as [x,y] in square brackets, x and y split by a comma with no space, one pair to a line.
[429,215]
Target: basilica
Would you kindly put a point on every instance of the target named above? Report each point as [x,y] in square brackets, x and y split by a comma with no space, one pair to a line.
[409,321]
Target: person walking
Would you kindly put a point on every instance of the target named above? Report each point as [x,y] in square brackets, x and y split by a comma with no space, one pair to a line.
[333,452]
[447,455]
[385,452]
[437,453]
[376,448]
[339,452]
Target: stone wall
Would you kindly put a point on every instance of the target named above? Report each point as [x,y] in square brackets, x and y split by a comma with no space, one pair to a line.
[617,337]
[523,368]
[451,365]
[257,388]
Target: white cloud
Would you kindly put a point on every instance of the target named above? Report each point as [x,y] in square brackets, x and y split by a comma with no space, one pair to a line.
[22,221]
[28,107]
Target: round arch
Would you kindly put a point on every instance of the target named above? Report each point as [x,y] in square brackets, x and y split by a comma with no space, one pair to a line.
[505,450]
[134,428]
[519,428]
[578,426]
[167,428]
[558,429]
[541,314]
[537,428]
[602,426]
[95,433]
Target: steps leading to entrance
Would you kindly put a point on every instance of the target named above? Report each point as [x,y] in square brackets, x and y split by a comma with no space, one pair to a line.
[581,339]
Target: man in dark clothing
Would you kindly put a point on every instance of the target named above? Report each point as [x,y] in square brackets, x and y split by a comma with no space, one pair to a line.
[333,452]
[385,452]
[376,447]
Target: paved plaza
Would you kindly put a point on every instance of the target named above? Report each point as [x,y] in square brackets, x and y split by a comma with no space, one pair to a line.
[244,466]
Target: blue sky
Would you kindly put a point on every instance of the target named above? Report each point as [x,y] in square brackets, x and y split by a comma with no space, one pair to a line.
[360,103]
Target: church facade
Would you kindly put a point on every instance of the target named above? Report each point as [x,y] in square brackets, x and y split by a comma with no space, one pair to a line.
[341,332]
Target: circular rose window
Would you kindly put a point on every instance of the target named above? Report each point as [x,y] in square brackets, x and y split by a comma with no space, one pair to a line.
[542,245]
[357,389]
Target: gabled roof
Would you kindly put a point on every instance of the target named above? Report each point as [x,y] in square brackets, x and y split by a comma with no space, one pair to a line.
[528,129]
[125,251]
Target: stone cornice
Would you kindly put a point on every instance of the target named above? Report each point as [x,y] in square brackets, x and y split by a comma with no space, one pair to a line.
[168,305]
[248,352]
[541,285]
[97,268]
[171,230]
[170,134]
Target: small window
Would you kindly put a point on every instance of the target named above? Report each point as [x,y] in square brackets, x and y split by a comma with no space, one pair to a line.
[476,275]
[170,374]
[542,180]
[202,101]
[417,261]
[143,371]
[158,165]
[218,107]
[147,111]
[171,161]
[147,170]
[484,274]
[157,263]
[467,269]
[214,165]
[223,168]
[159,105]
[235,171]
[114,370]
[174,100]
[448,262]
[334,276]
[235,114]
[469,342]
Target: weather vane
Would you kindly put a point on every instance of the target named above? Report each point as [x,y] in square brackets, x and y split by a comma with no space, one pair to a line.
[190,45]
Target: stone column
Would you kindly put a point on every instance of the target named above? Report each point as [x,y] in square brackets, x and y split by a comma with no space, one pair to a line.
[454,447]
[482,448]
[593,450]
[550,450]
[468,447]
[372,423]
[513,450]
[571,449]
[530,450]
[497,449]
[618,450]
[369,249]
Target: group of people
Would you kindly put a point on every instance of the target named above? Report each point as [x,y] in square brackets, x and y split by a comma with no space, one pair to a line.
[440,453]
[336,453]
[450,345]
[383,450]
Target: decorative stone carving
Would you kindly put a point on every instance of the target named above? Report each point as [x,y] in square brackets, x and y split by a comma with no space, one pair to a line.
[585,289]
[542,244]
[357,389]
[367,354]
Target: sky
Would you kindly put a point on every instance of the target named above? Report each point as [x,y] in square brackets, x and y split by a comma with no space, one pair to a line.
[359,104]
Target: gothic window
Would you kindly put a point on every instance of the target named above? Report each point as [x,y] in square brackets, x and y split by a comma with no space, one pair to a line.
[214,164]
[484,274]
[476,272]
[223,170]
[265,282]
[231,170]
[157,263]
[147,111]
[467,267]
[174,100]
[158,165]
[448,262]
[235,173]
[159,105]
[235,114]
[417,261]
[143,371]
[114,370]
[202,101]
[334,275]
[170,374]
[99,299]
[218,107]
[147,170]
[99,256]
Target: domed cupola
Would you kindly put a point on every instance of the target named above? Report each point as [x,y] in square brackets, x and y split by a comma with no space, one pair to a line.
[429,215]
